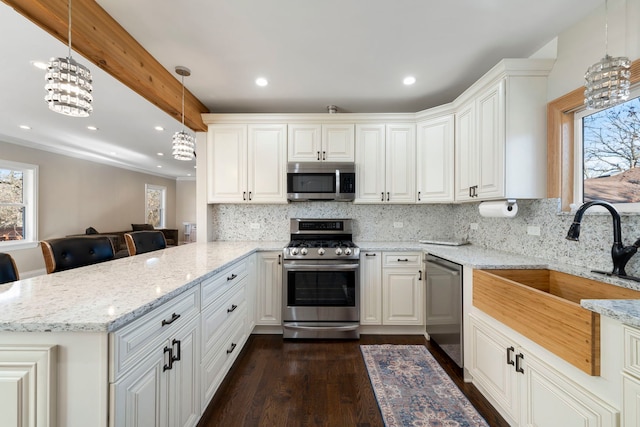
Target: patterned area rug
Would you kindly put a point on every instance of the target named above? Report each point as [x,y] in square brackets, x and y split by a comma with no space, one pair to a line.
[413,390]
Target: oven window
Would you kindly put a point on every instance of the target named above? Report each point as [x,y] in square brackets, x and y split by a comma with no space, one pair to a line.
[311,183]
[321,288]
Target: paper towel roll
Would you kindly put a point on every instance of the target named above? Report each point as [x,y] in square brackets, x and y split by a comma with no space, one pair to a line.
[499,209]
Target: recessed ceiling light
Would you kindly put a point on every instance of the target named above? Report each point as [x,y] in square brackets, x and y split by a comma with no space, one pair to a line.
[409,80]
[92,128]
[159,128]
[25,127]
[160,154]
[188,174]
[261,81]
[113,153]
[40,65]
[159,166]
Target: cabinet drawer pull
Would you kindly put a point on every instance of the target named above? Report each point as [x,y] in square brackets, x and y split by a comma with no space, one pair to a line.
[244,195]
[232,309]
[382,200]
[419,196]
[510,351]
[233,276]
[174,317]
[387,196]
[250,195]
[233,347]
[279,259]
[519,358]
[318,158]
[419,275]
[177,357]
[324,155]
[369,254]
[403,260]
[168,366]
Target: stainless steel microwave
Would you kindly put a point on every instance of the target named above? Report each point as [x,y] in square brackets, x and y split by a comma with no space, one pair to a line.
[321,181]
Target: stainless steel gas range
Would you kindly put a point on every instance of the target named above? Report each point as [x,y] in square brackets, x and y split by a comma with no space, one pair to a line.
[321,293]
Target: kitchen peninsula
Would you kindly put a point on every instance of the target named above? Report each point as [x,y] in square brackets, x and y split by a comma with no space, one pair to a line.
[85,317]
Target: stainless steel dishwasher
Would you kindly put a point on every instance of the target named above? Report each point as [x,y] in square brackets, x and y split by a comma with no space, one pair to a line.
[444,305]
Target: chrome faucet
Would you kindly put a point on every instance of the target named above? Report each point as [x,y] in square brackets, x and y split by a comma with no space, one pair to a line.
[619,254]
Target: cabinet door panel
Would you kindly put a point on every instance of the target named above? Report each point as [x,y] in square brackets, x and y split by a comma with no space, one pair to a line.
[435,150]
[466,151]
[370,163]
[227,163]
[267,164]
[401,163]
[304,143]
[549,400]
[491,134]
[269,292]
[371,288]
[184,379]
[402,298]
[338,143]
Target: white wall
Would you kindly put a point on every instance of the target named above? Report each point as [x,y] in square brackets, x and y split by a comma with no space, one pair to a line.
[74,194]
[185,204]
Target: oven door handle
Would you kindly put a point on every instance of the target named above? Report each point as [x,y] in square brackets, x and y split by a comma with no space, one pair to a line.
[325,267]
[323,328]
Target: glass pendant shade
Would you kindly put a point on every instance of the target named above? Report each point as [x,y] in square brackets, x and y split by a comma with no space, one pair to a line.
[183,146]
[607,82]
[68,88]
[68,84]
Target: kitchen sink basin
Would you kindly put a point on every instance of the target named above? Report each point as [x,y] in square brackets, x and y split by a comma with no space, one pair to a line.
[544,306]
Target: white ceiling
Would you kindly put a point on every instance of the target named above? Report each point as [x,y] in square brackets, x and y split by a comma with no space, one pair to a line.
[349,53]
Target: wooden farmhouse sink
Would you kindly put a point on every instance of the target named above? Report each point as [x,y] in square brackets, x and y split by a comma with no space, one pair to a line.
[544,306]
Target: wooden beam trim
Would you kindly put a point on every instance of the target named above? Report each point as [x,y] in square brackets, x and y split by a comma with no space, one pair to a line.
[99,38]
[560,141]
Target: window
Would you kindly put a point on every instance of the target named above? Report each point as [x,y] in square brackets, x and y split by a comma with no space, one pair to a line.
[608,155]
[155,202]
[18,207]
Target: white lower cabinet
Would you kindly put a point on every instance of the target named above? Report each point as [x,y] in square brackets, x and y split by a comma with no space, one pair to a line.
[392,290]
[269,288]
[631,378]
[526,390]
[28,385]
[163,388]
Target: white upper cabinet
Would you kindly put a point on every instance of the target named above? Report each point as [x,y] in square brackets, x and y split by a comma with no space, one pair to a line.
[247,163]
[435,166]
[321,142]
[500,138]
[385,163]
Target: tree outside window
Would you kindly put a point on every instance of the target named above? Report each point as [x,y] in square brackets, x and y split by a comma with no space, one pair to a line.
[155,205]
[611,150]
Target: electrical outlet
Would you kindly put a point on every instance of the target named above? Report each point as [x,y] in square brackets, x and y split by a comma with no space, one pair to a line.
[254,226]
[398,225]
[533,230]
[473,225]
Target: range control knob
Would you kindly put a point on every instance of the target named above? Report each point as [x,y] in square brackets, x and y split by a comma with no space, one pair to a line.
[294,251]
[321,251]
[303,251]
[347,251]
[338,251]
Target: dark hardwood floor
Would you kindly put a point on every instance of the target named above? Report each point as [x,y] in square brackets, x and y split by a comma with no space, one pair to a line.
[313,383]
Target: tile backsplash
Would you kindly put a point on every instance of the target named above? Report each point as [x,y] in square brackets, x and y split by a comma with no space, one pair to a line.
[376,223]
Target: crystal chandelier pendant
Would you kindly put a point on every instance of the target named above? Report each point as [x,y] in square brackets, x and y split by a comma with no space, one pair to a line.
[68,88]
[183,146]
[607,82]
[68,84]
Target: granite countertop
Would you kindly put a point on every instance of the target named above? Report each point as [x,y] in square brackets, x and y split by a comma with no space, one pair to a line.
[104,297]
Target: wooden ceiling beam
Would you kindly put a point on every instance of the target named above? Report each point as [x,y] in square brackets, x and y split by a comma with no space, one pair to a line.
[99,38]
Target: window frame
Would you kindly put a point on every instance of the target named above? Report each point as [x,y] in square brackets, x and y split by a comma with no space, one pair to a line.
[30,203]
[560,142]
[578,179]
[163,203]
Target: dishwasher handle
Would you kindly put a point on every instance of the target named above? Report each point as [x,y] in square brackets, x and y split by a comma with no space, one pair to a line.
[441,266]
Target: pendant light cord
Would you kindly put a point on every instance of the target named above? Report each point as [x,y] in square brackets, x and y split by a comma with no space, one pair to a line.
[182,103]
[69,36]
[606,28]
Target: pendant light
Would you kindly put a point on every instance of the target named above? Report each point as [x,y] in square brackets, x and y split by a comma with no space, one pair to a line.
[68,84]
[183,143]
[607,81]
